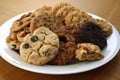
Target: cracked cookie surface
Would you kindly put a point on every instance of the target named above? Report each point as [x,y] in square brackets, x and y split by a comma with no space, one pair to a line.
[64,11]
[40,47]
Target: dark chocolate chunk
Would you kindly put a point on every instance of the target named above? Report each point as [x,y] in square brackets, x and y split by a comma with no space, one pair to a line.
[34,38]
[63,39]
[26,45]
[92,33]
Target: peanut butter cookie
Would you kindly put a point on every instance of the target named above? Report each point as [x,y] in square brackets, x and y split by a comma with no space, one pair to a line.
[88,51]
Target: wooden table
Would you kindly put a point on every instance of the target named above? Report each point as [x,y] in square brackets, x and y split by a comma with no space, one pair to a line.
[108,9]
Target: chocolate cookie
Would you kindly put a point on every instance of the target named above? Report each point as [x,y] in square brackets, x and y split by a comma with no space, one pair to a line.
[40,47]
[92,33]
[66,51]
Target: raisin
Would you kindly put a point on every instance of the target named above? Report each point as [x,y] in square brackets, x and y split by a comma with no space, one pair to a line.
[34,38]
[26,45]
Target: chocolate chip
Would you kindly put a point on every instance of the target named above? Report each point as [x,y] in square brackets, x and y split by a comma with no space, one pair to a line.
[34,38]
[63,39]
[13,46]
[47,54]
[26,45]
[17,51]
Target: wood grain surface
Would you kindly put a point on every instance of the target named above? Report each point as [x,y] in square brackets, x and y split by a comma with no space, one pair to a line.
[108,9]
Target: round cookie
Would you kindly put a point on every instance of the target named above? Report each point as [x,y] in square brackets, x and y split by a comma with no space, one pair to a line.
[77,18]
[66,51]
[13,42]
[22,22]
[42,10]
[40,47]
[88,51]
[64,11]
[11,37]
[92,33]
[43,17]
[105,26]
[14,45]
[21,34]
[74,32]
[58,6]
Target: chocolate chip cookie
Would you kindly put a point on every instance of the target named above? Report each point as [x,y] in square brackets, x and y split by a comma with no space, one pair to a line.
[40,47]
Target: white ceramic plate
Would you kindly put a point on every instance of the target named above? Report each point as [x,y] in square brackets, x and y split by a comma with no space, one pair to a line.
[13,58]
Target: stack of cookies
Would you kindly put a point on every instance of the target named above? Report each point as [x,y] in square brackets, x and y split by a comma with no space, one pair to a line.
[57,35]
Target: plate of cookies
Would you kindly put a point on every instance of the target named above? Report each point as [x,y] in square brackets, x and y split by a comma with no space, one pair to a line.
[59,39]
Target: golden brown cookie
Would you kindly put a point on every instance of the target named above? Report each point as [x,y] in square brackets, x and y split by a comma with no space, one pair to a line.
[40,47]
[21,35]
[64,11]
[13,42]
[22,22]
[14,45]
[88,51]
[105,26]
[43,17]
[58,6]
[66,51]
[11,37]
[77,18]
